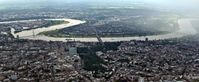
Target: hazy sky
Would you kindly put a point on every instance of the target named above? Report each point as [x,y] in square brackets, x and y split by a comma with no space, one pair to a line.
[186,4]
[163,2]
[195,2]
[150,1]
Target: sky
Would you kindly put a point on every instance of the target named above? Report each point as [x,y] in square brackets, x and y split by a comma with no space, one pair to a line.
[178,4]
[183,2]
[149,1]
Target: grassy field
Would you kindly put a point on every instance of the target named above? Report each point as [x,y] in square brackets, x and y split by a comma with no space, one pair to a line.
[55,22]
[53,33]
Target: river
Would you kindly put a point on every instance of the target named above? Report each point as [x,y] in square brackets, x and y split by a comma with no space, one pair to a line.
[185,28]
